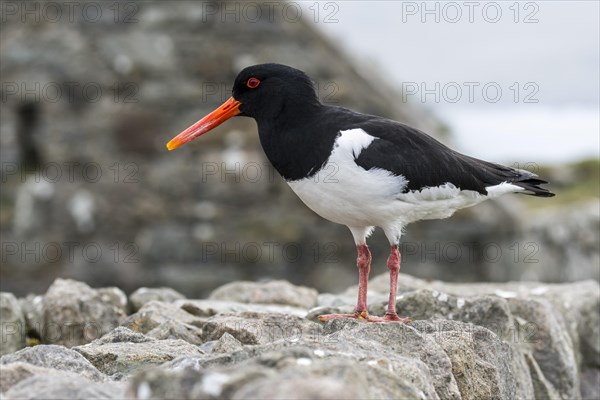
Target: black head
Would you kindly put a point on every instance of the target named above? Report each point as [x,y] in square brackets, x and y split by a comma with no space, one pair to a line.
[266,90]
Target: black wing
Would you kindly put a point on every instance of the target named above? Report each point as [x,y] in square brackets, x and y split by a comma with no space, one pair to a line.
[425,162]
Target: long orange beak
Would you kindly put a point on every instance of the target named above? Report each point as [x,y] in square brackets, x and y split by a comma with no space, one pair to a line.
[227,110]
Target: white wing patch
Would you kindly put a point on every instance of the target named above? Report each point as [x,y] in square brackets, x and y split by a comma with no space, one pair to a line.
[503,188]
[353,142]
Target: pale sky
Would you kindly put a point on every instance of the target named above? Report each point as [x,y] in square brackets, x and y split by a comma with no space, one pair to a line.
[515,81]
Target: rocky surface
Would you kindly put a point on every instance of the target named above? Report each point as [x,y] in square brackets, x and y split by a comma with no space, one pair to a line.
[54,357]
[467,341]
[122,351]
[74,313]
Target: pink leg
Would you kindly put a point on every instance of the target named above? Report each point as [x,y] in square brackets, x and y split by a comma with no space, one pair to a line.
[363,262]
[364,265]
[393,263]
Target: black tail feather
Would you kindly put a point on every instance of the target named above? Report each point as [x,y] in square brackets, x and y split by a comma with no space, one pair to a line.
[531,184]
[494,174]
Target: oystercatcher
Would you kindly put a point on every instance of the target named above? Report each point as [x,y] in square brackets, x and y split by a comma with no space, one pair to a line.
[359,170]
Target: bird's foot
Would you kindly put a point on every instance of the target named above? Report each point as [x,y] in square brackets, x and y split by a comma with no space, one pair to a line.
[389,318]
[365,317]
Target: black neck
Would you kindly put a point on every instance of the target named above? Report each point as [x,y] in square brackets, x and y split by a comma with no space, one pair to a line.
[299,141]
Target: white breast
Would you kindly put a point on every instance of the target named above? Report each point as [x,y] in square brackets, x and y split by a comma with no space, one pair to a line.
[346,193]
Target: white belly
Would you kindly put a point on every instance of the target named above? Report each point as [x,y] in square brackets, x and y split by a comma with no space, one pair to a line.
[351,196]
[343,203]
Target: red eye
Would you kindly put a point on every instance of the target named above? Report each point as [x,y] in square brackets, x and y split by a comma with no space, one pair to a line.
[252,83]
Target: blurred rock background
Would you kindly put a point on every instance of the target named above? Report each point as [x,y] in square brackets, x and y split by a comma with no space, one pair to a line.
[89,191]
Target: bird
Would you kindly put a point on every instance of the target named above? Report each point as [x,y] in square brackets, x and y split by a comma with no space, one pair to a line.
[359,170]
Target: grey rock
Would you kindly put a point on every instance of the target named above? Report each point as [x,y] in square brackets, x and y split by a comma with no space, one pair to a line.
[208,308]
[123,335]
[162,320]
[33,309]
[299,346]
[345,378]
[259,328]
[193,383]
[502,341]
[579,305]
[577,302]
[75,314]
[176,330]
[208,347]
[124,351]
[588,329]
[64,387]
[302,352]
[13,326]
[549,343]
[226,344]
[271,292]
[482,363]
[334,379]
[552,329]
[590,383]
[396,342]
[155,313]
[55,357]
[490,312]
[144,295]
[195,363]
[314,387]
[114,296]
[155,383]
[13,373]
[290,372]
[530,326]
[542,387]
